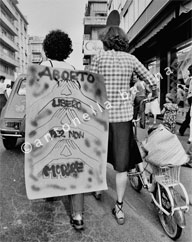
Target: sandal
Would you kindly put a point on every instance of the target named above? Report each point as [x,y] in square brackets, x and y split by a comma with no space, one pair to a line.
[77,223]
[118,213]
[97,195]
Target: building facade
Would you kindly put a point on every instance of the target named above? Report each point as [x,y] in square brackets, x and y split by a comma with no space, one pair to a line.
[94,20]
[160,35]
[35,47]
[13,40]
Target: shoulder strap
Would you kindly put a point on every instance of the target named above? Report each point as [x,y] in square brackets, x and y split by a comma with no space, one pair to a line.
[51,63]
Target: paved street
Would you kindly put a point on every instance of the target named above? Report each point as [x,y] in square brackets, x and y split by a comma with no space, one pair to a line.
[23,220]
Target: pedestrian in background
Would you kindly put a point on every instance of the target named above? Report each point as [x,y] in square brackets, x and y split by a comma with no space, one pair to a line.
[186,122]
[117,66]
[3,98]
[152,107]
[170,112]
[140,95]
[57,47]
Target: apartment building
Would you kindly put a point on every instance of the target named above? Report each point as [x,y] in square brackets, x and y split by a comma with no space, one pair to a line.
[94,20]
[13,40]
[35,47]
[160,35]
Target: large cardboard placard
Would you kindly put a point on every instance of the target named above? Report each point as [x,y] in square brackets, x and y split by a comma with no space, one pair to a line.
[66,132]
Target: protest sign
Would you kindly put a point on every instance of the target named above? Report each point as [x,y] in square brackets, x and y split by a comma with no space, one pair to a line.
[66,132]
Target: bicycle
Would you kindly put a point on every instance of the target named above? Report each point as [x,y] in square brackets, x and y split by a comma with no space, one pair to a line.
[168,194]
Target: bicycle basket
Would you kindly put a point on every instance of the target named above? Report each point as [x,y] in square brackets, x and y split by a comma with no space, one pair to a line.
[167,175]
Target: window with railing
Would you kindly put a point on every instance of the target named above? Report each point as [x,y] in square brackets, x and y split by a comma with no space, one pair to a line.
[98,9]
[8,52]
[8,35]
[7,17]
[7,69]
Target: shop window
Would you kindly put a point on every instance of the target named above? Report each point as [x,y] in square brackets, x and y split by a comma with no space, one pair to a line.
[179,80]
[154,68]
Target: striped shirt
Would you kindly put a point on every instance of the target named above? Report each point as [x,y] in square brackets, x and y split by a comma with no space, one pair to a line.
[117,67]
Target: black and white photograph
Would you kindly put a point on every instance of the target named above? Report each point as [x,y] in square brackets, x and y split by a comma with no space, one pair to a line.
[95,120]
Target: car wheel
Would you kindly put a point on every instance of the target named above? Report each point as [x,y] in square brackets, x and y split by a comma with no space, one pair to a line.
[9,142]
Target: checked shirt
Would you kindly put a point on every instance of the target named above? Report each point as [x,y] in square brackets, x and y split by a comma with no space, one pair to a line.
[117,68]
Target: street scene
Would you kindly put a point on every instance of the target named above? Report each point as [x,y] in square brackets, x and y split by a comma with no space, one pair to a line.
[95,120]
[38,220]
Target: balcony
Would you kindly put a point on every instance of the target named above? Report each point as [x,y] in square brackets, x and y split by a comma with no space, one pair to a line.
[37,51]
[95,21]
[8,25]
[9,60]
[36,60]
[6,41]
[10,7]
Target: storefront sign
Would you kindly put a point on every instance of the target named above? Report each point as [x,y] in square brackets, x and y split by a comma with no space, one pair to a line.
[67,132]
[91,47]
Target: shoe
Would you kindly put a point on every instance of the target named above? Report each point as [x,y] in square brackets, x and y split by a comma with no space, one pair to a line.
[77,223]
[97,195]
[118,213]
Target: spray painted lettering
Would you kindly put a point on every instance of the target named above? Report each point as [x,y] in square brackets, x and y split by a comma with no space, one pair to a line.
[62,170]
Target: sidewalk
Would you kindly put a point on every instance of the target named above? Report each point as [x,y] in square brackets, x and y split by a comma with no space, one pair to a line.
[186,173]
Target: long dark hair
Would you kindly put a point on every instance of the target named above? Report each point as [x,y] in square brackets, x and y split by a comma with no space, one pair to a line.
[114,38]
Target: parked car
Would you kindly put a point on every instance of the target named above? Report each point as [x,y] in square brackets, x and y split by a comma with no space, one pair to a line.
[13,113]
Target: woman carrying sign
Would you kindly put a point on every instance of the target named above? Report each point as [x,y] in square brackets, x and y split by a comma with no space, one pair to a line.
[57,47]
[117,67]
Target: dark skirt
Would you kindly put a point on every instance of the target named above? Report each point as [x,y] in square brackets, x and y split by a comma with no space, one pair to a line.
[3,101]
[123,152]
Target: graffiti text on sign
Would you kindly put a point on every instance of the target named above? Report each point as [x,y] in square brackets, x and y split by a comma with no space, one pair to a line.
[62,170]
[67,75]
[66,103]
[55,133]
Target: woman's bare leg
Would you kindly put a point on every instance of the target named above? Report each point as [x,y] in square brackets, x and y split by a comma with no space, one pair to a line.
[121,184]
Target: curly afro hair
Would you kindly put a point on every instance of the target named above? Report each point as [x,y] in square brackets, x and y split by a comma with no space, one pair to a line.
[114,38]
[57,45]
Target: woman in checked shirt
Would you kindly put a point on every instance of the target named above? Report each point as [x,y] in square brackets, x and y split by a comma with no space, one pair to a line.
[117,66]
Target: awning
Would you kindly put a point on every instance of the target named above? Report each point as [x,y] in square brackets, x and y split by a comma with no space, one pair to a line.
[158,26]
[156,29]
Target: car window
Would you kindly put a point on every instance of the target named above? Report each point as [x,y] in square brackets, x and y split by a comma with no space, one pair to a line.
[22,88]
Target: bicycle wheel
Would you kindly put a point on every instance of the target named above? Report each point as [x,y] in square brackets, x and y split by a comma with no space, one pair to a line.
[135,181]
[168,222]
